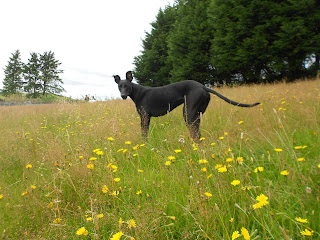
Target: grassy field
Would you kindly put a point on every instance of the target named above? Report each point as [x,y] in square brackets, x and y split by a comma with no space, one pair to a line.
[82,171]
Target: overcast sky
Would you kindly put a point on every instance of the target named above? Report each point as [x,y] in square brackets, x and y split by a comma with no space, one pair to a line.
[93,39]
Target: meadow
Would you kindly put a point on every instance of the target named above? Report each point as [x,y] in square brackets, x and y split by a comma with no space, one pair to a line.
[82,170]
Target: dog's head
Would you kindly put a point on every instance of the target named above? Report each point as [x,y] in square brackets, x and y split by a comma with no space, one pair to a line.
[125,86]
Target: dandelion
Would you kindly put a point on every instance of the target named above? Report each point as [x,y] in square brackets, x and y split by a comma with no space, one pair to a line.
[301,159]
[100,216]
[115,193]
[226,134]
[201,139]
[28,166]
[172,218]
[24,193]
[33,187]
[245,233]
[110,139]
[116,179]
[300,220]
[127,142]
[258,169]
[89,219]
[90,166]
[167,163]
[306,232]
[57,221]
[284,173]
[132,224]
[257,205]
[203,161]
[140,171]
[204,169]
[209,176]
[235,235]
[278,149]
[217,166]
[135,147]
[1,196]
[235,182]
[222,169]
[105,189]
[92,159]
[231,220]
[117,236]
[82,231]
[99,153]
[171,158]
[263,199]
[80,157]
[178,151]
[240,160]
[139,192]
[221,138]
[229,160]
[208,194]
[212,144]
[298,147]
[240,122]
[114,167]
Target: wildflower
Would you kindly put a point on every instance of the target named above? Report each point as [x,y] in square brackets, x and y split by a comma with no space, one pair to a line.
[298,219]
[82,231]
[235,235]
[100,216]
[204,169]
[80,157]
[114,167]
[306,232]
[24,193]
[229,160]
[1,196]
[240,122]
[142,145]
[139,192]
[110,139]
[167,163]
[99,153]
[225,133]
[209,176]
[258,169]
[140,171]
[92,159]
[90,166]
[29,166]
[131,224]
[127,142]
[221,138]
[212,144]
[240,160]
[173,218]
[231,220]
[33,187]
[319,166]
[171,158]
[263,199]
[298,147]
[217,166]
[245,233]
[116,179]
[121,222]
[115,193]
[284,173]
[203,161]
[135,147]
[278,149]
[117,236]
[201,139]
[222,169]
[235,182]
[257,205]
[301,159]
[57,221]
[208,194]
[246,188]
[105,189]
[178,151]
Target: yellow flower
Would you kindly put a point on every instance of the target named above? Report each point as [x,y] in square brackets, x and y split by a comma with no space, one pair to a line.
[203,161]
[1,196]
[235,182]
[173,218]
[110,139]
[204,169]
[298,219]
[263,199]
[201,139]
[140,171]
[257,205]
[100,216]
[221,138]
[225,133]
[217,166]
[177,150]
[104,189]
[24,193]
[240,160]
[115,193]
[99,153]
[306,232]
[90,166]
[258,169]
[301,159]
[278,149]
[319,166]
[80,157]
[82,231]
[298,147]
[235,235]
[212,144]
[168,163]
[245,233]
[171,158]
[92,159]
[209,176]
[208,194]
[33,187]
[131,223]
[231,220]
[57,221]
[127,142]
[222,169]
[229,160]
[29,166]
[89,219]
[284,173]
[139,192]
[117,236]
[116,179]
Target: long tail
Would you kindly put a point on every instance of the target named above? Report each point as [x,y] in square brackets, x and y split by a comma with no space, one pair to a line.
[230,101]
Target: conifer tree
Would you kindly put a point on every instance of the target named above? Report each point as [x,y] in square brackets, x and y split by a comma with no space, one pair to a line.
[31,73]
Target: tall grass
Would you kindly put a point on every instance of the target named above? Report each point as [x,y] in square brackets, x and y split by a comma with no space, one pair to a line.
[82,170]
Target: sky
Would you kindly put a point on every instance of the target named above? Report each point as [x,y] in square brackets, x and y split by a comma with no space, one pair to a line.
[93,39]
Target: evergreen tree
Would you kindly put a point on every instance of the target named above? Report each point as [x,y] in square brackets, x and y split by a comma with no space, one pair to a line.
[13,82]
[49,74]
[190,42]
[31,73]
[152,67]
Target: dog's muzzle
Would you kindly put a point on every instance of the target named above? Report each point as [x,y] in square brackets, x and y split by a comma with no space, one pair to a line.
[124,97]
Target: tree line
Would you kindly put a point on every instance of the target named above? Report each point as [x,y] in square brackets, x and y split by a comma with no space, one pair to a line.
[39,76]
[231,41]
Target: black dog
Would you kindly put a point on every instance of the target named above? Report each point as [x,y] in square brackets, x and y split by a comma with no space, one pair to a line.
[158,101]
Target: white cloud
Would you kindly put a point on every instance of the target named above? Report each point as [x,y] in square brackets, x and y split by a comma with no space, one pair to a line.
[94,39]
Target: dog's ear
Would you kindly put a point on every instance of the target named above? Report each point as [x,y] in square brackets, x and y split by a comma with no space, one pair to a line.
[116,78]
[129,76]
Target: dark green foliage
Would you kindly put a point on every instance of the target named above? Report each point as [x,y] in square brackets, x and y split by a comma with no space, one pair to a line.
[31,73]
[236,41]
[13,82]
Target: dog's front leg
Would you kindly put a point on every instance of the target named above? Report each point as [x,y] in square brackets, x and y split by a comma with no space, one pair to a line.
[145,122]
